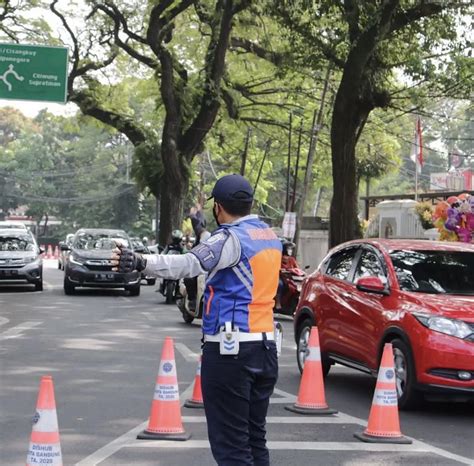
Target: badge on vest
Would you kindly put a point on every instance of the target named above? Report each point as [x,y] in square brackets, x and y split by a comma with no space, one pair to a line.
[229,343]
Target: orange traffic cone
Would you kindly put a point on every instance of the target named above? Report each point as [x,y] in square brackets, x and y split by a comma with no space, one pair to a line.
[165,416]
[311,399]
[44,444]
[56,252]
[384,425]
[49,253]
[196,401]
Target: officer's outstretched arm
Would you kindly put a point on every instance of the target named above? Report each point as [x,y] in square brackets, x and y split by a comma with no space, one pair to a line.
[159,265]
[221,250]
[173,266]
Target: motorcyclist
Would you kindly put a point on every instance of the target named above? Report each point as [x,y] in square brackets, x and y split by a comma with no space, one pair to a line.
[176,243]
[176,246]
[288,262]
[201,234]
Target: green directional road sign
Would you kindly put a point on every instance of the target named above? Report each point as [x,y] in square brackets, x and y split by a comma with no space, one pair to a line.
[33,72]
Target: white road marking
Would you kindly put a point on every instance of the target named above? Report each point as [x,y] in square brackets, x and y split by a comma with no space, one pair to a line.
[93,344]
[283,397]
[150,316]
[329,446]
[124,440]
[128,440]
[336,419]
[17,331]
[4,320]
[416,443]
[186,352]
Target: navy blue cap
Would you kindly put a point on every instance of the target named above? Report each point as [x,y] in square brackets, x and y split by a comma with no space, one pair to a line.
[232,188]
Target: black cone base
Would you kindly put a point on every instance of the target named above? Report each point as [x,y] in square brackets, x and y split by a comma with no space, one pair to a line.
[373,439]
[193,404]
[311,411]
[147,435]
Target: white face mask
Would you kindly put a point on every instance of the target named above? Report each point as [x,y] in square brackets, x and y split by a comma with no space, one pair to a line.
[289,252]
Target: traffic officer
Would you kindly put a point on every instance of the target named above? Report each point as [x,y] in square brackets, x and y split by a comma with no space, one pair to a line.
[239,366]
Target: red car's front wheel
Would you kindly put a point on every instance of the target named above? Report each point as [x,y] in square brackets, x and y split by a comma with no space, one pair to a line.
[408,396]
[302,347]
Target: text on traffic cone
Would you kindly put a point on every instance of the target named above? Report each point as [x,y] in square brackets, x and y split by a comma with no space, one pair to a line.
[384,425]
[311,398]
[45,447]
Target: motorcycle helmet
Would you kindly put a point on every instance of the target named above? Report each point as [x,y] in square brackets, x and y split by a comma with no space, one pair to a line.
[288,247]
[176,237]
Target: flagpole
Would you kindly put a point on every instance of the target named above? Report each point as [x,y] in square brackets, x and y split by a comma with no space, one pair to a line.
[416,180]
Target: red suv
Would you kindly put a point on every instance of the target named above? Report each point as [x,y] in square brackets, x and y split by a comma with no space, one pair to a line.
[418,295]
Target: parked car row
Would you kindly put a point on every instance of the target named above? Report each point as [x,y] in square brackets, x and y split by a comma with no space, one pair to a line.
[84,256]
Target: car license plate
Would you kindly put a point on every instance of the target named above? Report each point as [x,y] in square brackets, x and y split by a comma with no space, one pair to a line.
[8,273]
[104,276]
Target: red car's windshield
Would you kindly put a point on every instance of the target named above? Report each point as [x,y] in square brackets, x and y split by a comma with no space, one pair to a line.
[435,271]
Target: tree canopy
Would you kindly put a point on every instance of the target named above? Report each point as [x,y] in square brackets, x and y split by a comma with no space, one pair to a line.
[184,81]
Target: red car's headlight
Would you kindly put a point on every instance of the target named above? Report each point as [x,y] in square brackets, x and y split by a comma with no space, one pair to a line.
[453,327]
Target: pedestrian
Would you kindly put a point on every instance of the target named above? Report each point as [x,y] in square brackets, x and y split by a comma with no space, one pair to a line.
[239,366]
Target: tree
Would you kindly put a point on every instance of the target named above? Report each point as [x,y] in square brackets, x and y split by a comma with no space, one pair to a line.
[69,167]
[188,76]
[366,41]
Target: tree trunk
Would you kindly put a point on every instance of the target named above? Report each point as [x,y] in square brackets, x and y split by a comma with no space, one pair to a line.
[173,192]
[347,121]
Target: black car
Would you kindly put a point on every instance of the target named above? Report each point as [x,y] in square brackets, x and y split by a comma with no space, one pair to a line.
[90,262]
[20,258]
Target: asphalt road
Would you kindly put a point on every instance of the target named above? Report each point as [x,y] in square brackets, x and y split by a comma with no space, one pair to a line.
[103,350]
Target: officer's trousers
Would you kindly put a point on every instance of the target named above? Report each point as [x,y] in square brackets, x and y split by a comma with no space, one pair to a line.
[236,393]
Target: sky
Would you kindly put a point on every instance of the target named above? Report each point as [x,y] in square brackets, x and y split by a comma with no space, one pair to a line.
[31,109]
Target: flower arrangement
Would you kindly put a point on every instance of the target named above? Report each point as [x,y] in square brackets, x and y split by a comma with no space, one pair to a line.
[454,218]
[425,214]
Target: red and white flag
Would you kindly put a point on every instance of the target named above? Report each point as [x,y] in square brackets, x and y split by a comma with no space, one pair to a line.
[416,153]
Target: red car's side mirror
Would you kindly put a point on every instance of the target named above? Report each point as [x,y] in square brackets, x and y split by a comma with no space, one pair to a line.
[372,285]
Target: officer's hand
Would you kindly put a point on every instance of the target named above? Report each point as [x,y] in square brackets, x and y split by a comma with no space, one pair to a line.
[125,260]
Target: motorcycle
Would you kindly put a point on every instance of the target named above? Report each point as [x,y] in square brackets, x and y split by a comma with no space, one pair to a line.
[184,304]
[293,282]
[170,288]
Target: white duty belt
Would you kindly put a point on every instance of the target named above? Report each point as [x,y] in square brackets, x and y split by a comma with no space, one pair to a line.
[243,336]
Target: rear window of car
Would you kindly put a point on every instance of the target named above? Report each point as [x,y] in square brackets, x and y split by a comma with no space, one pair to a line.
[434,272]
